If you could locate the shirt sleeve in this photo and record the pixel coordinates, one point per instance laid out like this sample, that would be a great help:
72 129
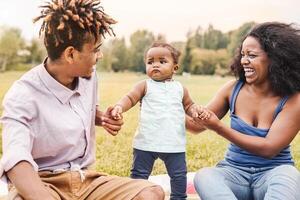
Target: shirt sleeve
17 138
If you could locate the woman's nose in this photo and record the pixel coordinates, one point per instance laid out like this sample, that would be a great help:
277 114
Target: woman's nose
245 60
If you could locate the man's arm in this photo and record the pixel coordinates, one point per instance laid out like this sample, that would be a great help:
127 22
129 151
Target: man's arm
27 182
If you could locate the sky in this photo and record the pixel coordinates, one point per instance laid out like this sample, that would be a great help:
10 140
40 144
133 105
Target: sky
172 18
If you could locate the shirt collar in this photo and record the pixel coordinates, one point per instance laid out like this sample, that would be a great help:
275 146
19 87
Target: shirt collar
61 92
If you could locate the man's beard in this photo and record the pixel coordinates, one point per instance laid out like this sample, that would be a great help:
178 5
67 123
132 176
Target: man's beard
86 77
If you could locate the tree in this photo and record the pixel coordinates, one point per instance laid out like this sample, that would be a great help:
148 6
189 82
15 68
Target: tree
119 55
214 39
207 61
237 35
139 42
11 43
37 51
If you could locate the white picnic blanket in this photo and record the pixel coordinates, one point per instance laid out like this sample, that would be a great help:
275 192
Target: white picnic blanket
164 181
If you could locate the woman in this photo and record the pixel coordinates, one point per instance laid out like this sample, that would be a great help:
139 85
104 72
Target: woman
264 109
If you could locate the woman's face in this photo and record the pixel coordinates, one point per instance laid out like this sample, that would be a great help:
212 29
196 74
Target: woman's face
254 60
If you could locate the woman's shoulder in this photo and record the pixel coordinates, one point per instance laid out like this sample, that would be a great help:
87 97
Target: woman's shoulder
228 87
294 101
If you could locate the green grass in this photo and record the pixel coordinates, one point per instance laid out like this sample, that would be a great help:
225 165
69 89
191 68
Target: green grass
114 154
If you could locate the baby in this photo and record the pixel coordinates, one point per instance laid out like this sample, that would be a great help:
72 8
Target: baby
161 131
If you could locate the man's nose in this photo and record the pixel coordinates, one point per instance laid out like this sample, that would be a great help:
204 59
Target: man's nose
99 55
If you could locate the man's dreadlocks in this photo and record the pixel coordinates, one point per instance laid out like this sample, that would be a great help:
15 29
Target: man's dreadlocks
72 23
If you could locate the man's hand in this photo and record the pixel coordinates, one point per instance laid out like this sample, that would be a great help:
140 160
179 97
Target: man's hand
106 120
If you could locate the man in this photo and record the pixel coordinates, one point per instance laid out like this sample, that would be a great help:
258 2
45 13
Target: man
50 114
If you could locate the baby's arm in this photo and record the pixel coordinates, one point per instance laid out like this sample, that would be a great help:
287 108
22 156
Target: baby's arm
193 109
129 100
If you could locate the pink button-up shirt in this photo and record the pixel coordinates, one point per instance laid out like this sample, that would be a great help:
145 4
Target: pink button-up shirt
47 124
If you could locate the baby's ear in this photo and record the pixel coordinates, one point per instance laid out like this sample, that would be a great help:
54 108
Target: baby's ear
176 67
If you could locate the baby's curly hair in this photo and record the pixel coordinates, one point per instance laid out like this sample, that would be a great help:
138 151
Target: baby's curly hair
281 42
174 52
72 23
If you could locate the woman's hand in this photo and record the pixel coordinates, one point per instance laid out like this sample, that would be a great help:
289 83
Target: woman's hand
208 119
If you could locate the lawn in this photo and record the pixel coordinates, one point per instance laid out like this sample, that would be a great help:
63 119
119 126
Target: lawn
114 154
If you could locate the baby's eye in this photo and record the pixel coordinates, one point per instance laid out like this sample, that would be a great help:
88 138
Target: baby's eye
163 62
149 62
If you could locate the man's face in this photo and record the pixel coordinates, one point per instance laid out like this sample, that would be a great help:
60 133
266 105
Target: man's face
86 59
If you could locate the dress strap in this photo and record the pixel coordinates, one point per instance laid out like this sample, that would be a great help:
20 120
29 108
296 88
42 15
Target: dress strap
280 106
235 92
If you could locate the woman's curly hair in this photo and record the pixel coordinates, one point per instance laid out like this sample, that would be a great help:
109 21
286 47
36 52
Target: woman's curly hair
72 23
281 42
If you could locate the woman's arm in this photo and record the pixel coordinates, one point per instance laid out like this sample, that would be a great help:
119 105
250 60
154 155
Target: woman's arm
219 104
283 130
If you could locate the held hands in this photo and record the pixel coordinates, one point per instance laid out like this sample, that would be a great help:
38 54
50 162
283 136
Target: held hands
116 112
200 112
108 122
207 118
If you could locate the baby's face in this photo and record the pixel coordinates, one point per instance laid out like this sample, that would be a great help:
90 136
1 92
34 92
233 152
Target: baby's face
160 65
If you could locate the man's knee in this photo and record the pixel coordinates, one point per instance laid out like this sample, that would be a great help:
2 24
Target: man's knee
151 193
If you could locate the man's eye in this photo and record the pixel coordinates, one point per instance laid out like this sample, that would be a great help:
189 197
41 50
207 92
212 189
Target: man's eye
252 56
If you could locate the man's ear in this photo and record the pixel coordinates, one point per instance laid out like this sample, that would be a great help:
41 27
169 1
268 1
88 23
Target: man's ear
68 54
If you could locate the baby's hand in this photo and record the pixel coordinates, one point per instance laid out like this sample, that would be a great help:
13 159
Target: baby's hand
204 114
116 112
200 112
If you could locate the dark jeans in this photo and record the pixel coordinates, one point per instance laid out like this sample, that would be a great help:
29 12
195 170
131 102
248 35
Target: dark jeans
175 164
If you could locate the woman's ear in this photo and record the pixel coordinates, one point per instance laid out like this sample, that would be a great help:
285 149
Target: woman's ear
68 54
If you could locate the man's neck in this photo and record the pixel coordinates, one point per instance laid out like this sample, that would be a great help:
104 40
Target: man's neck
60 72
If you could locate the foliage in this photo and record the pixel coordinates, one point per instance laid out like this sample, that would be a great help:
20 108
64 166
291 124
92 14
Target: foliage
37 52
139 42
11 44
119 55
214 39
114 154
237 35
206 61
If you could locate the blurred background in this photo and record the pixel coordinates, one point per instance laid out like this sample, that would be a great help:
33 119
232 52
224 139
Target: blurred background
206 32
